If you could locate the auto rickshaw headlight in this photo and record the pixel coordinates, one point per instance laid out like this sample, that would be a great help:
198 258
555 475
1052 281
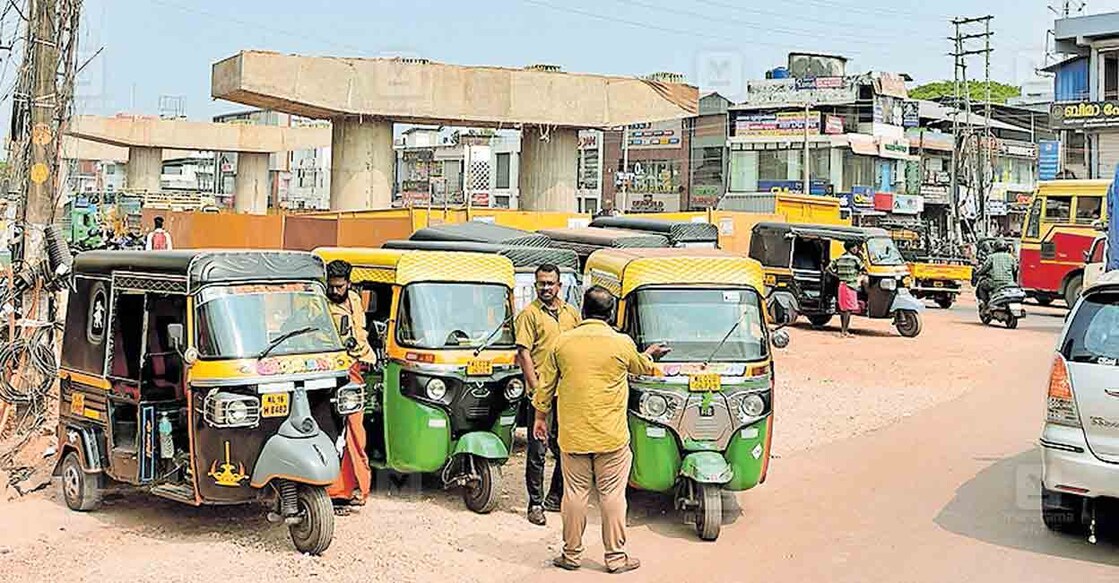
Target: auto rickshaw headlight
653 405
889 284
222 409
514 389
350 399
436 389
752 406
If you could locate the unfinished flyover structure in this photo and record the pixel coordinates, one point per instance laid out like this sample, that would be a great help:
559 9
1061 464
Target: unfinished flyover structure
146 138
364 97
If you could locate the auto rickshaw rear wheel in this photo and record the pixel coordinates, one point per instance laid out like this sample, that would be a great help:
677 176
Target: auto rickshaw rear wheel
81 491
1011 322
945 301
480 494
315 530
908 323
819 320
985 317
709 514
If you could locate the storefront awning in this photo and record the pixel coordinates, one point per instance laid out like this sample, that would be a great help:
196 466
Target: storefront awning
863 144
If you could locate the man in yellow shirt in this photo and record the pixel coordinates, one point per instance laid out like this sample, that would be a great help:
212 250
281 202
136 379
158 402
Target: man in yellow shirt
588 373
537 328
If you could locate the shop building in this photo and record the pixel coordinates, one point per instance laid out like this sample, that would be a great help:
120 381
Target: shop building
1086 93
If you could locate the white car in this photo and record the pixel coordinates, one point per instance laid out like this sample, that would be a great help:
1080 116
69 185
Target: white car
1080 440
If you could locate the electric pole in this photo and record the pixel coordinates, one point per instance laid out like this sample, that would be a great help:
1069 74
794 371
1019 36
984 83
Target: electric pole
964 39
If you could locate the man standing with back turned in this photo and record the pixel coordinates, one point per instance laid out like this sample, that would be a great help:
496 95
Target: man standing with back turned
537 328
588 373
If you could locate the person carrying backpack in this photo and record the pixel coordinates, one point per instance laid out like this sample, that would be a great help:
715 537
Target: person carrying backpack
158 239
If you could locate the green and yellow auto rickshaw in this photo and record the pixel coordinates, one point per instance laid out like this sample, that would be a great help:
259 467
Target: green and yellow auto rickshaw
704 424
445 393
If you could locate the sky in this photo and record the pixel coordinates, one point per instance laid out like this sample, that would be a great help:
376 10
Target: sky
154 48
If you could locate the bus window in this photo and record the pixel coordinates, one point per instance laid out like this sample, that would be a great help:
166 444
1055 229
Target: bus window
1058 209
1088 209
1033 229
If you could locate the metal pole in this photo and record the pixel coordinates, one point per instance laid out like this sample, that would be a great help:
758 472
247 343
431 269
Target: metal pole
988 166
953 197
625 169
38 210
807 175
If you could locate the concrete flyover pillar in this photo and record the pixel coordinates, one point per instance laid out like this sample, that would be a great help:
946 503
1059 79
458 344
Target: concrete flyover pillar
145 167
362 160
252 184
548 167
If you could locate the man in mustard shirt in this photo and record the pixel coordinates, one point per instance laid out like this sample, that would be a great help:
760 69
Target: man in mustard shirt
537 328
588 373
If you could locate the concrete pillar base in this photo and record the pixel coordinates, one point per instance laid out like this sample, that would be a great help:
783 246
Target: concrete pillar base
252 184
362 160
145 167
549 162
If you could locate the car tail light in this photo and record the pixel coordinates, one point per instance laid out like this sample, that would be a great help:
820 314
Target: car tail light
1061 405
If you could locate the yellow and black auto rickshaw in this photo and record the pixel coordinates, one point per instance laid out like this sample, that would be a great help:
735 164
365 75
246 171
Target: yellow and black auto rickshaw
703 425
445 393
205 377
796 258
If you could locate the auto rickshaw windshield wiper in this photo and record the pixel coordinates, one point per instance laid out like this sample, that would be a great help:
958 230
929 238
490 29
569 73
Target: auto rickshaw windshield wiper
493 335
737 323
285 336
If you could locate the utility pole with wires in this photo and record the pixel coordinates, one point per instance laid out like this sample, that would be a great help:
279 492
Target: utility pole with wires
965 38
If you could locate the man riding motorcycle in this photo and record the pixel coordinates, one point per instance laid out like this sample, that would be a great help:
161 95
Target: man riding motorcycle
998 271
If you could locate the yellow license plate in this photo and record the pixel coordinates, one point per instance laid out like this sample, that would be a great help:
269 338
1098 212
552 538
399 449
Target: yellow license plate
479 368
274 405
938 284
705 382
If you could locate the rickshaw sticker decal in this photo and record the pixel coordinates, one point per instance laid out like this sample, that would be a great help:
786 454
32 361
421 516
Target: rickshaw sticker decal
272 366
227 477
92 414
77 403
98 310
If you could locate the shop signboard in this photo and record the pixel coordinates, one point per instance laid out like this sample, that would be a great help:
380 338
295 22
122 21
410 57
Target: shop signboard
862 197
910 114
884 201
1017 149
785 123
1085 115
650 135
818 187
907 204
655 203
897 149
785 92
1049 159
833 125
996 207
891 84
934 193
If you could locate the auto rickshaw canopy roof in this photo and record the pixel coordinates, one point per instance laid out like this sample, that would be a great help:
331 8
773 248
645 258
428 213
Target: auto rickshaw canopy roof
204 266
402 266
623 270
522 256
587 240
833 232
480 232
676 231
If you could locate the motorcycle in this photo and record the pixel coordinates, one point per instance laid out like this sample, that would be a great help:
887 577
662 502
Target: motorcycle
1004 305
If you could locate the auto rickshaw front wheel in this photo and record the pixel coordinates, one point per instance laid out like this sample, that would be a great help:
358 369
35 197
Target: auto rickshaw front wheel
709 513
908 323
480 493
819 320
314 531
81 491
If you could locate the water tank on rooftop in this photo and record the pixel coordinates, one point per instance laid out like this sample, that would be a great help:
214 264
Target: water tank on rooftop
778 73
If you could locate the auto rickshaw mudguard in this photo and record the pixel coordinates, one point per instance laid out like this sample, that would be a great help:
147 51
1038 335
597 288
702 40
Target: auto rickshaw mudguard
86 441
482 444
706 467
903 300
307 460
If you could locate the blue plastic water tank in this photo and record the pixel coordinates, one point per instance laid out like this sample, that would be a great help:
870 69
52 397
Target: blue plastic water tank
780 73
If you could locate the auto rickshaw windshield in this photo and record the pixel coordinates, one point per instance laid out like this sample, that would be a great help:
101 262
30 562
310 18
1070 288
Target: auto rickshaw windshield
693 321
455 315
883 251
241 321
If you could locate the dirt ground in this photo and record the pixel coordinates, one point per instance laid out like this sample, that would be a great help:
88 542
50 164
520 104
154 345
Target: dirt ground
829 389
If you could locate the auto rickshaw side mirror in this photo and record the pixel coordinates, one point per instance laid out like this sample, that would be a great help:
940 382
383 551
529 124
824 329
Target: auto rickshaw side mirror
176 336
780 338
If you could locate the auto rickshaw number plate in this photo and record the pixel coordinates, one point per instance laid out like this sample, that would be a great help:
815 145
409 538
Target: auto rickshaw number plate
274 405
479 368
705 382
938 284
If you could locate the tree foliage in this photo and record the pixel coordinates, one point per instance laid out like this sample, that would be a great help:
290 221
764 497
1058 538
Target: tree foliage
1000 92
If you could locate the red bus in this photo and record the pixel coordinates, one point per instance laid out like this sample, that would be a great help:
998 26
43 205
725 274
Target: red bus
1058 229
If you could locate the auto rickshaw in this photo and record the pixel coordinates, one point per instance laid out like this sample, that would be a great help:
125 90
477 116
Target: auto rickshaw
445 393
796 258
679 233
587 240
480 232
525 261
204 377
703 425
938 274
